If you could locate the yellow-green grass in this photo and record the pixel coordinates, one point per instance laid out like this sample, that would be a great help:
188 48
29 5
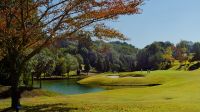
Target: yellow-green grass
179 92
175 65
185 65
124 79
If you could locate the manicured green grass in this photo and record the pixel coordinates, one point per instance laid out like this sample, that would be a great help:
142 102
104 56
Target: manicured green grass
124 79
179 92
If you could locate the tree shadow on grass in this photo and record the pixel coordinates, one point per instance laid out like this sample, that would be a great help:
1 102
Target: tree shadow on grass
5 92
43 108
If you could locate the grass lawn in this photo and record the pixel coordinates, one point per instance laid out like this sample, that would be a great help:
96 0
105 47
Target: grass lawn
179 92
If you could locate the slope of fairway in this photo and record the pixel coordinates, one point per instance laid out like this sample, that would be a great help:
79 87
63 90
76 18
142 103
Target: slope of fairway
179 92
124 79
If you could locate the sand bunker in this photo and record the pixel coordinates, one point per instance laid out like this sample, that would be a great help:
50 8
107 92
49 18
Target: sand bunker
114 76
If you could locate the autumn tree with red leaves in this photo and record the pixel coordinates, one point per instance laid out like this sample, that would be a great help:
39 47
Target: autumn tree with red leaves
27 26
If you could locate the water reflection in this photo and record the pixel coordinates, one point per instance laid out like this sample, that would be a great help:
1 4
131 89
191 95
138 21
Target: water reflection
67 86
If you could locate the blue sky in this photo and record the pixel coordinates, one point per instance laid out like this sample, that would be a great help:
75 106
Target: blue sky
162 20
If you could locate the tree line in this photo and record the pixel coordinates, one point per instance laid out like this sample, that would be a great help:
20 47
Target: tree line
119 56
99 56
66 56
162 55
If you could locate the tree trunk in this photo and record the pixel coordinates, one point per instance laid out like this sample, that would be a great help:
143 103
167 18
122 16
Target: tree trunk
40 82
15 72
32 80
15 93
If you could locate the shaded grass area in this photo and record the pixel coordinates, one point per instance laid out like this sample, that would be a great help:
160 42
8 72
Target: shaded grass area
5 92
43 108
179 92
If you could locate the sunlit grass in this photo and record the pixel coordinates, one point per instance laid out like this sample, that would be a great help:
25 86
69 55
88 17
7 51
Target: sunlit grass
179 92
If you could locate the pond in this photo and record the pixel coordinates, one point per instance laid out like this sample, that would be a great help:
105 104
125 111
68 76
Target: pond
67 86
